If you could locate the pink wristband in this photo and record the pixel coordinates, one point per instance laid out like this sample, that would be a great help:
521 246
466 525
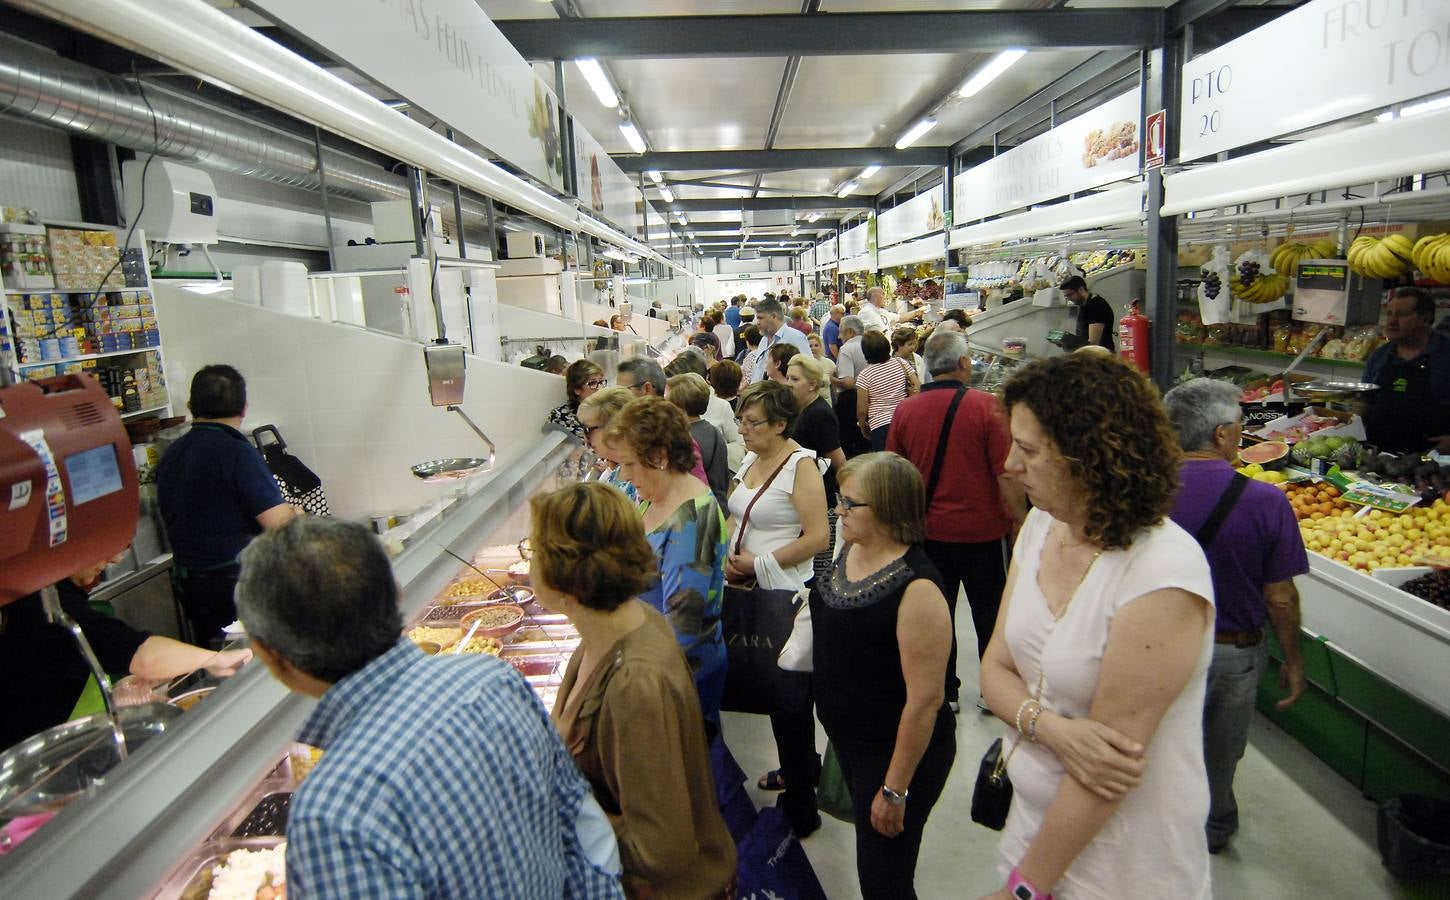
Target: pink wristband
1022 889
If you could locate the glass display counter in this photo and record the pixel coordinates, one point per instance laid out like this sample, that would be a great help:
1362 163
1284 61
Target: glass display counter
221 779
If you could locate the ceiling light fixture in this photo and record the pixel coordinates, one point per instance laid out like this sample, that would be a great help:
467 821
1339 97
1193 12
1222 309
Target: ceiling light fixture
916 133
846 189
813 217
593 73
869 171
667 193
680 217
988 73
690 235
632 136
655 176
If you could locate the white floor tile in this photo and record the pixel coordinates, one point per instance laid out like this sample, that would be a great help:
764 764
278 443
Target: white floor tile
1305 831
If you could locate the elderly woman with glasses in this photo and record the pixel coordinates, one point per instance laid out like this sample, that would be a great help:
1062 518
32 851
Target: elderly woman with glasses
581 379
882 635
778 519
650 439
595 414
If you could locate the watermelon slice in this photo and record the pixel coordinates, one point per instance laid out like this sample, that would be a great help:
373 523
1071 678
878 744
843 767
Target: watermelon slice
1269 454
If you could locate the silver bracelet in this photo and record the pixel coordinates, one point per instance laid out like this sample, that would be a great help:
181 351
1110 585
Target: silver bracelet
1032 724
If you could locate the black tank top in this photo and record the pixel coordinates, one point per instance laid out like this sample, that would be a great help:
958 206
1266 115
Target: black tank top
859 688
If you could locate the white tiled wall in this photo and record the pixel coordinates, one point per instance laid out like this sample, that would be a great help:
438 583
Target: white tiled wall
352 404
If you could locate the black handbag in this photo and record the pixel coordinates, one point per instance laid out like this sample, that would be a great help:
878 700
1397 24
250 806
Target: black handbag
992 797
756 622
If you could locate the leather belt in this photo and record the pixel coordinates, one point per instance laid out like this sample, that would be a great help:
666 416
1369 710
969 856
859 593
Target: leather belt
1239 638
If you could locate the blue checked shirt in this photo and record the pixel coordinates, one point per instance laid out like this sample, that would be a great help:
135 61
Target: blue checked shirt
443 778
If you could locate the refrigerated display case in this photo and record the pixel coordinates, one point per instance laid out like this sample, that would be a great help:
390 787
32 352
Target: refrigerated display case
223 776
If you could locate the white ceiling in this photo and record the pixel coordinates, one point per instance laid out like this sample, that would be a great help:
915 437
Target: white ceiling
696 104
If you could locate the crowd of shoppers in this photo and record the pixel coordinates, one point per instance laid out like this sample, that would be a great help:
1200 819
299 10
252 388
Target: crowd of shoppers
1122 648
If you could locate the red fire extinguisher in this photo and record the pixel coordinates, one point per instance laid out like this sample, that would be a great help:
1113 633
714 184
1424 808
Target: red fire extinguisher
1133 338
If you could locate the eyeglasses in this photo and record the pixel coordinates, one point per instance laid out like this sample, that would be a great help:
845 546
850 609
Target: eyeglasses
751 423
596 383
636 388
846 504
526 549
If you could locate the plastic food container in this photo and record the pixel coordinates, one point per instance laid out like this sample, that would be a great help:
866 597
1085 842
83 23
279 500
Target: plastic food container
498 621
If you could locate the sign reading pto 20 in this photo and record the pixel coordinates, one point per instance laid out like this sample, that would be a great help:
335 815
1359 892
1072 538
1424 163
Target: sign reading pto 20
1343 57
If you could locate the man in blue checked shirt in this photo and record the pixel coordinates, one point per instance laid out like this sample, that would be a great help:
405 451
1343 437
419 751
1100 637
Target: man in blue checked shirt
441 777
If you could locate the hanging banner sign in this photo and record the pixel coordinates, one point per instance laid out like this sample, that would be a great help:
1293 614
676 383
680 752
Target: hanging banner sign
446 57
1093 149
920 215
1323 61
604 188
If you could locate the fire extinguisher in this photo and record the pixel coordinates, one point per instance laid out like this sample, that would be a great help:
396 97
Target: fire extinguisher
1133 338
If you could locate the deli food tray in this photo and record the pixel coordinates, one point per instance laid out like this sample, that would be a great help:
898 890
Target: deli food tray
192 880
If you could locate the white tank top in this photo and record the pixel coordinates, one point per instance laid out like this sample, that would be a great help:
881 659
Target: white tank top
773 520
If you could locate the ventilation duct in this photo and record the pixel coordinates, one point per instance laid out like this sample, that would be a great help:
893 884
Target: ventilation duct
84 101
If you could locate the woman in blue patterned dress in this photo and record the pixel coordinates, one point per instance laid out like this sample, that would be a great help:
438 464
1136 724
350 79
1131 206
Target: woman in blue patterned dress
650 440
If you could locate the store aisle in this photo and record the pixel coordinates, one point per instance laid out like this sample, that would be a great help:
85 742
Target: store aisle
1307 833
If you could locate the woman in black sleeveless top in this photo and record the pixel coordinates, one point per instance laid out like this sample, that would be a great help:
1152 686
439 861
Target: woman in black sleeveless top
882 635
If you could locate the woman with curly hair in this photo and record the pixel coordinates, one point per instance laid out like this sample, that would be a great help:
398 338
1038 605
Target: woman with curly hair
650 440
1101 650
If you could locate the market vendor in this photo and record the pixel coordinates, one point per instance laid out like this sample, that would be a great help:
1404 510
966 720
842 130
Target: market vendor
42 672
216 494
1094 314
1411 409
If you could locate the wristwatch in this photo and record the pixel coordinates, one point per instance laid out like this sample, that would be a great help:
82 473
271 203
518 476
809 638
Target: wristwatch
1022 889
893 797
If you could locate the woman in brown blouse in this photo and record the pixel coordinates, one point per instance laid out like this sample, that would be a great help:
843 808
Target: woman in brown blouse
628 709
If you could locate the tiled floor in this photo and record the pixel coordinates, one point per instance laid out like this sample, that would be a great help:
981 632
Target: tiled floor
1305 833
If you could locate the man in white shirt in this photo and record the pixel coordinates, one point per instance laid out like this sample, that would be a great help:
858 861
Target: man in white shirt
770 319
873 313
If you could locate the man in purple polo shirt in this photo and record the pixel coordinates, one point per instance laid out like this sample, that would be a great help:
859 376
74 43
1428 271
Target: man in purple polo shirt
1254 553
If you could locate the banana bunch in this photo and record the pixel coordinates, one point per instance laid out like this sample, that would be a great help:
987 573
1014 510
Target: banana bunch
1286 256
1263 289
1387 257
1431 254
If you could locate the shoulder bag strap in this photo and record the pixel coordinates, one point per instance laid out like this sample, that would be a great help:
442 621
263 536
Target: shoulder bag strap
745 516
1226 502
941 444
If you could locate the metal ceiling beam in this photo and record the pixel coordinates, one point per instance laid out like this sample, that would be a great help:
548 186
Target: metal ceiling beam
780 160
835 34
1185 12
725 185
758 204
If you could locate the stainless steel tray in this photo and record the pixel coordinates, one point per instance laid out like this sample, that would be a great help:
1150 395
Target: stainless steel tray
180 885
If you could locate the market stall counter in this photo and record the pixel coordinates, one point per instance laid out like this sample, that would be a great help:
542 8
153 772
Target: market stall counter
211 796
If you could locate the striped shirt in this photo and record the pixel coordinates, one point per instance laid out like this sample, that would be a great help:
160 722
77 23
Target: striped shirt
443 778
885 384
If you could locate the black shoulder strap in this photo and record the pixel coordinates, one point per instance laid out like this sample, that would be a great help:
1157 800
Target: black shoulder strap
941 444
1225 505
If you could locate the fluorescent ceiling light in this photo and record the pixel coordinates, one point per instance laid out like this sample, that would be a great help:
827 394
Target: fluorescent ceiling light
615 254
655 176
681 218
916 133
813 217
690 235
988 73
846 189
593 73
869 171
632 136
668 194
794 232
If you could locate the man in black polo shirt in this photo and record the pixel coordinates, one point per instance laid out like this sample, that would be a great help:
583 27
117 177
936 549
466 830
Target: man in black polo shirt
1094 315
216 494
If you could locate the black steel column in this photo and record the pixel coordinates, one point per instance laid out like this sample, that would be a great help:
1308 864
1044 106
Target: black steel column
1161 91
458 214
95 181
566 145
326 204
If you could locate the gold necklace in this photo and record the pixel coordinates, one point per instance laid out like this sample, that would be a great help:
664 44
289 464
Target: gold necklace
1062 546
